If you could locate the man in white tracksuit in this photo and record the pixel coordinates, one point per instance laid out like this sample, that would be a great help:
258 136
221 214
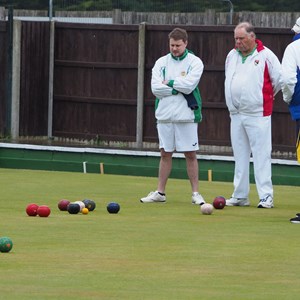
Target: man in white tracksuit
291 76
291 85
174 82
252 74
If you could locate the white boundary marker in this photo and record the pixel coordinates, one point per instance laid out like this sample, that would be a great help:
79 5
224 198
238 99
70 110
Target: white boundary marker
84 166
130 152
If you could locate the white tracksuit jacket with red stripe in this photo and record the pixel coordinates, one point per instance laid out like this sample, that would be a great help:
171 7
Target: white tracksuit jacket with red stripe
257 96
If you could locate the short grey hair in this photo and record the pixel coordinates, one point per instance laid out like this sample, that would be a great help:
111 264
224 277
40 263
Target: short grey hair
249 28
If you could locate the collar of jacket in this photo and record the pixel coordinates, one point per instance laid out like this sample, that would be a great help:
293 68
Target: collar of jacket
183 56
259 45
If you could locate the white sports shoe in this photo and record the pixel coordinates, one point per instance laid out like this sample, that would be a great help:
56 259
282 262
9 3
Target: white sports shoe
197 199
237 202
267 202
154 197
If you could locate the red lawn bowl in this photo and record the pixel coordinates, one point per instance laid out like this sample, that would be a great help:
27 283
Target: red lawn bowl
44 211
31 209
63 204
219 202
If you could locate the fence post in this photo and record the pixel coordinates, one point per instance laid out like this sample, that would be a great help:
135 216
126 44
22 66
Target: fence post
210 17
50 10
50 84
7 129
2 13
16 75
117 16
140 86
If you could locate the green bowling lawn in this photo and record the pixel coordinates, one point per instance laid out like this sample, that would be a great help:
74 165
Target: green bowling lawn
146 251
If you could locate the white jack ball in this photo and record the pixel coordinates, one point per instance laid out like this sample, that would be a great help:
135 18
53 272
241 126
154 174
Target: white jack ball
206 209
81 204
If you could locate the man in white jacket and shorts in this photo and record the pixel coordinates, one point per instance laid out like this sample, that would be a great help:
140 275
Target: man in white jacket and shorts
174 82
252 80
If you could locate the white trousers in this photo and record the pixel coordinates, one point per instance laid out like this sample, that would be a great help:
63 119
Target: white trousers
251 135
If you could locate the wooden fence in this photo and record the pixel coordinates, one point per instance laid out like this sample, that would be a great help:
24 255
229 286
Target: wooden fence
99 76
34 80
209 17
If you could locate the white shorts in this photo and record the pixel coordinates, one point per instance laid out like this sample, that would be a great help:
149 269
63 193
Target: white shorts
182 137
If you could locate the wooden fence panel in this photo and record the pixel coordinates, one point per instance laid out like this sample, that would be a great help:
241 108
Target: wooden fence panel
34 78
95 82
209 17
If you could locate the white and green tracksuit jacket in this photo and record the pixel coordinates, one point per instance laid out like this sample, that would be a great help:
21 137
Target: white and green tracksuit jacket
183 74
